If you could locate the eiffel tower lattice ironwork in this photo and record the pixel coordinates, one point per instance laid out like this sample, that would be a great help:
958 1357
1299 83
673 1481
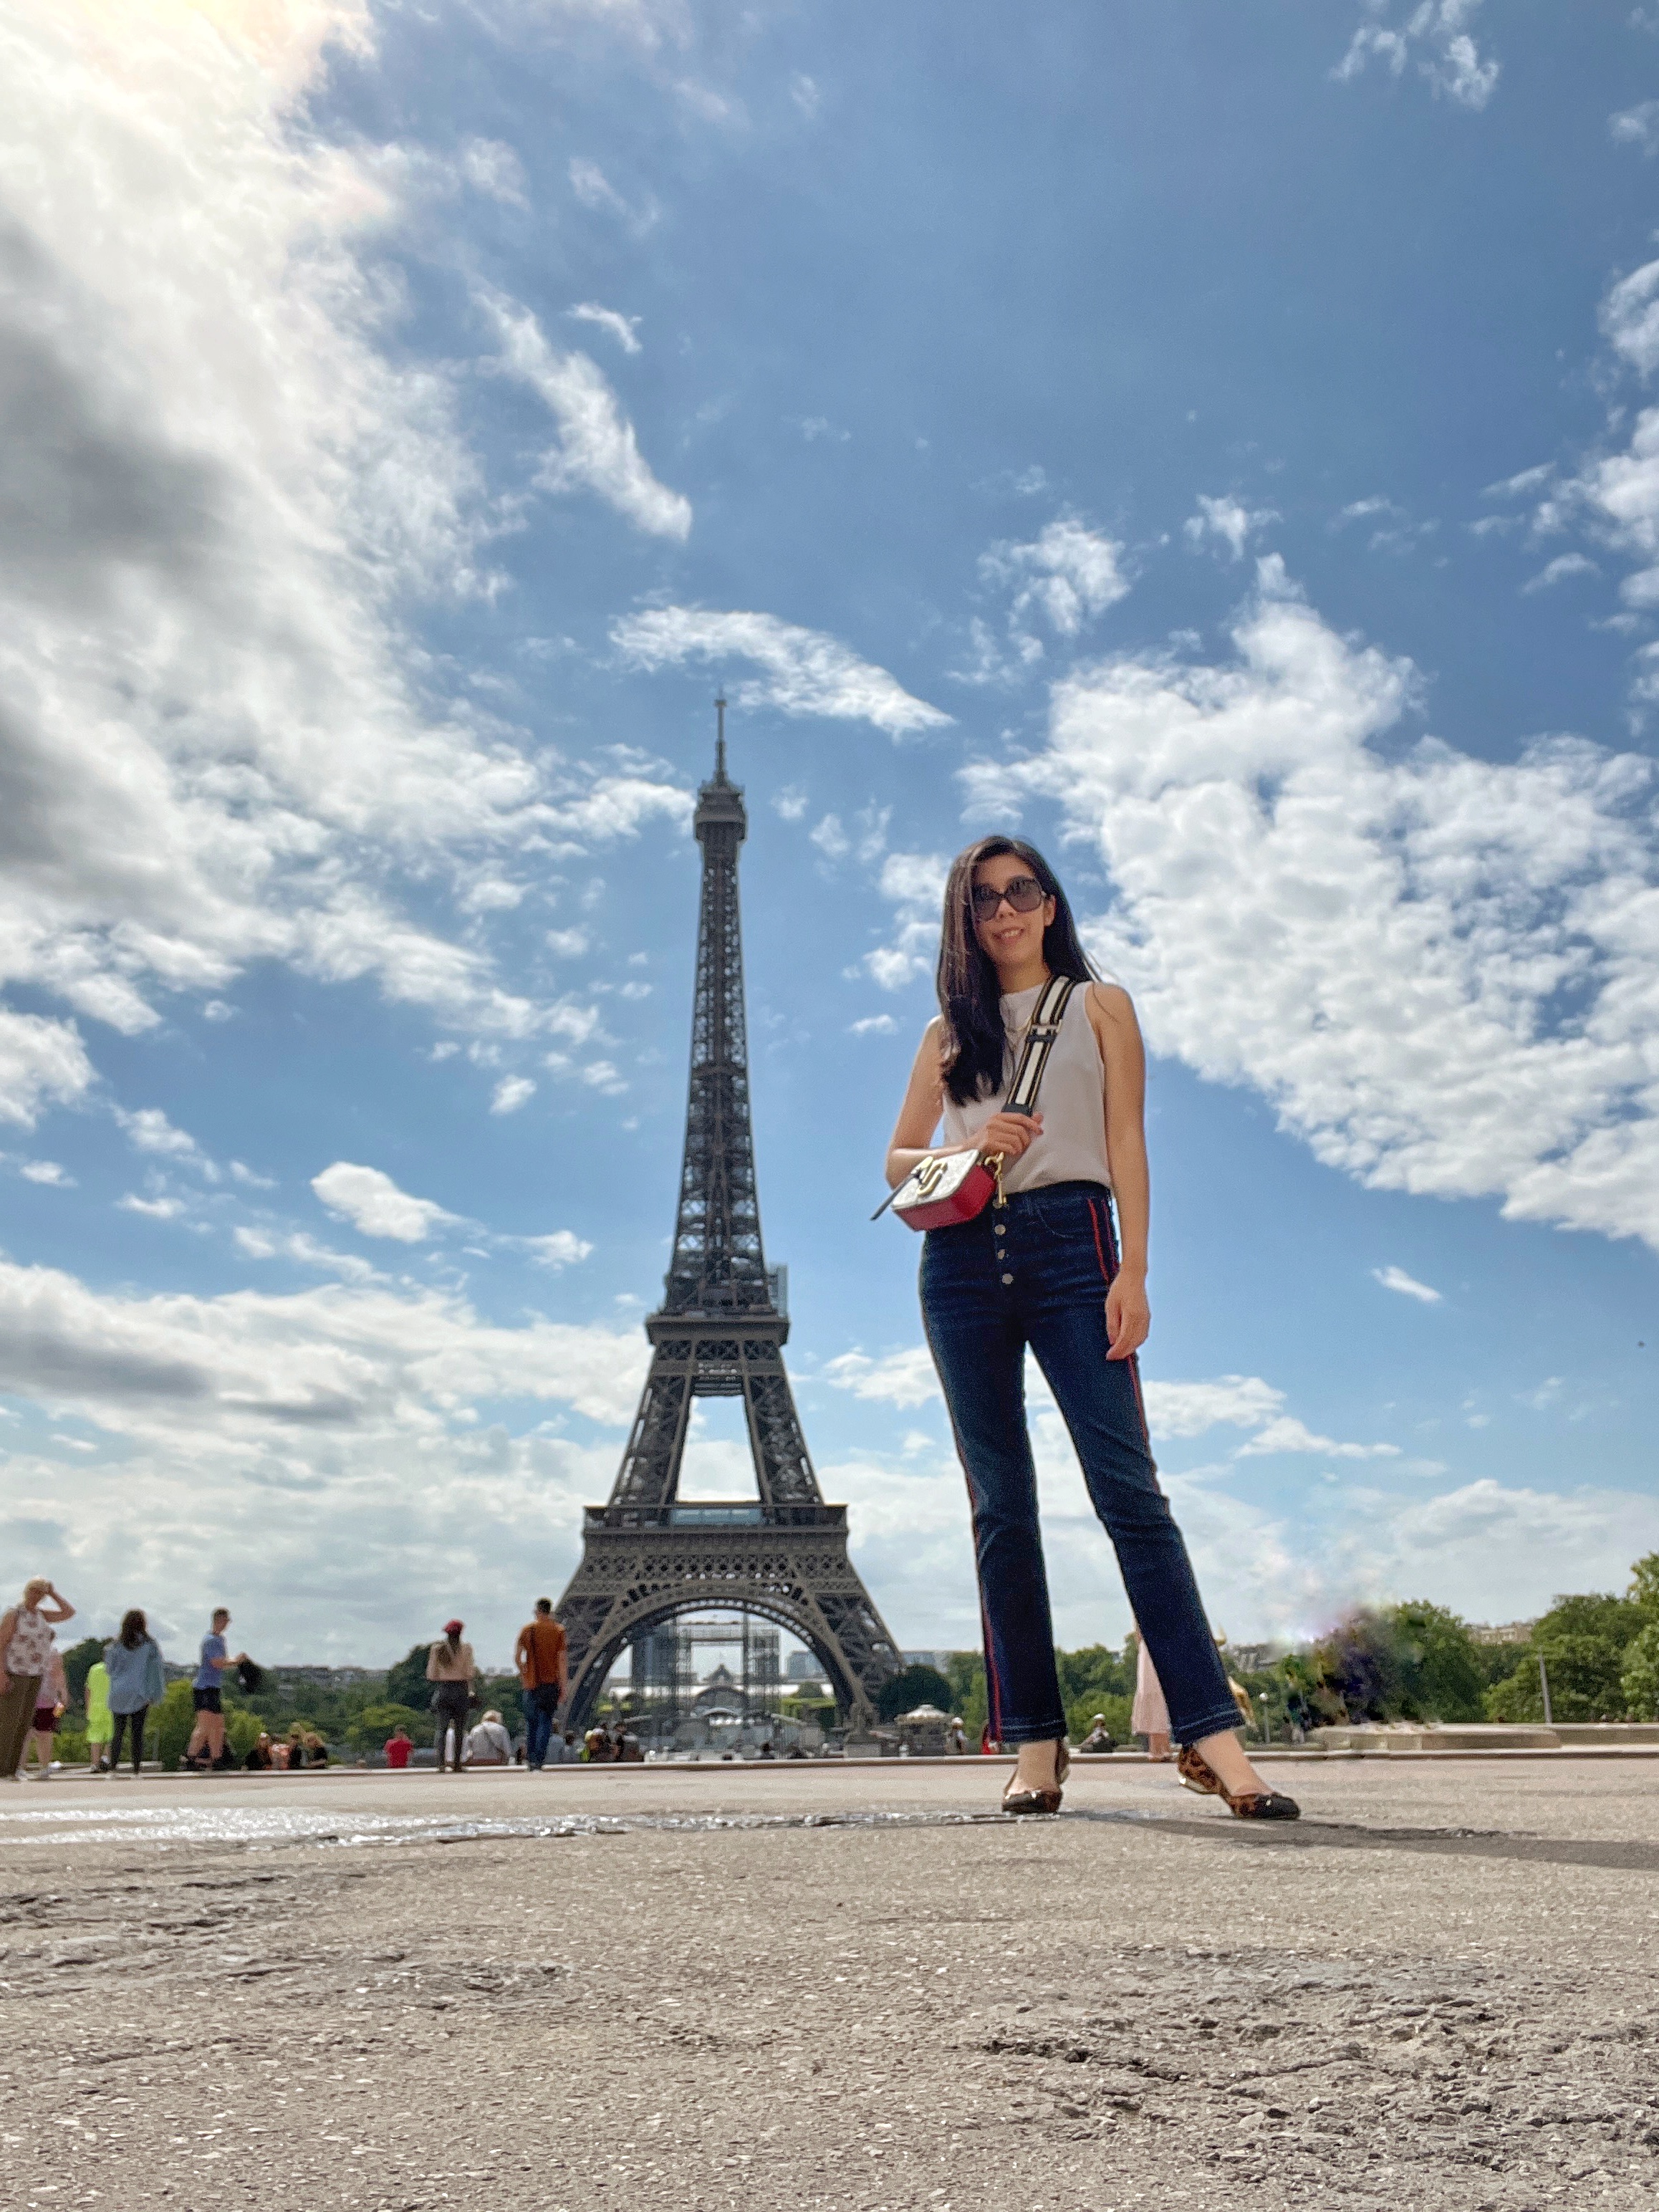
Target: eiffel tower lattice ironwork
720 1332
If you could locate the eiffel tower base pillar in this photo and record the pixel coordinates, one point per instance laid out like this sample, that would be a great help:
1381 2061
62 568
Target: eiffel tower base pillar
641 1567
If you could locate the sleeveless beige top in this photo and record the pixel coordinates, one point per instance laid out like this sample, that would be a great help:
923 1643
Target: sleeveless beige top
1072 1102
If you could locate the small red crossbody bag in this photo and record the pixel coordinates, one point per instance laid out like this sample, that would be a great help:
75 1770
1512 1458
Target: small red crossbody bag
948 1187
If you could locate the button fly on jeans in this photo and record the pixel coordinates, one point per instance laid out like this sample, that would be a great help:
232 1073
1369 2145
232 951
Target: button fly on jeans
1007 1279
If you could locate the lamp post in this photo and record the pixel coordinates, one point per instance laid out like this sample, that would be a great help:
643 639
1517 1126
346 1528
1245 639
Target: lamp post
1544 1684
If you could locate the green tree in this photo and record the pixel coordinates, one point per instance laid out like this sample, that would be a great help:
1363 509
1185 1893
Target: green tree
78 1662
168 1729
910 1687
406 1683
966 1673
1582 1641
1644 1591
370 1730
1441 1677
1639 1678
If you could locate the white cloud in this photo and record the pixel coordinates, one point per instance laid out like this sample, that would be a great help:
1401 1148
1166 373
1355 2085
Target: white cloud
1067 574
157 1209
1636 126
622 328
803 672
493 168
1557 571
597 451
563 1247
830 838
375 1206
353 1439
1235 524
511 1092
871 1025
567 944
895 1378
306 1252
915 883
1441 968
47 1171
151 1132
1436 32
1396 1279
790 804
597 193
218 493
1630 318
40 1062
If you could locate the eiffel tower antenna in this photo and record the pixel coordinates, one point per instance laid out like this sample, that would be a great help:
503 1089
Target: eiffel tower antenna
720 1333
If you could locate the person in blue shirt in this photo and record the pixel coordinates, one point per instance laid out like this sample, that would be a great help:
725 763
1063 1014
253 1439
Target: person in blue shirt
206 1747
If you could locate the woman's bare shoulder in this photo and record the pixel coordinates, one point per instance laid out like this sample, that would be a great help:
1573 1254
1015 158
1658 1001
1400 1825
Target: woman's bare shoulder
1110 1002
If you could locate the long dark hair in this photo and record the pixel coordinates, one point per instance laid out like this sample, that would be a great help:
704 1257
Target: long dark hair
134 1629
969 995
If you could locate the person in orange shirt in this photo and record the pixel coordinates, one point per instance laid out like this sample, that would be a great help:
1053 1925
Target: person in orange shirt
541 1658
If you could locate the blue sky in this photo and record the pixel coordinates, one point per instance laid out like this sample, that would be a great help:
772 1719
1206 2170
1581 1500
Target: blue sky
1223 441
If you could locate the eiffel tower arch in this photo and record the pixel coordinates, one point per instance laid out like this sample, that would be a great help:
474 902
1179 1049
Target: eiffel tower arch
720 1333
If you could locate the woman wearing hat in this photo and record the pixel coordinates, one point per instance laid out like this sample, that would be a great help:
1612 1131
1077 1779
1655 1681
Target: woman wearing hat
450 1670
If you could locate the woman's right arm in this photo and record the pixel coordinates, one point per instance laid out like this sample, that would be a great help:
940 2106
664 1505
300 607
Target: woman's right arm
924 1103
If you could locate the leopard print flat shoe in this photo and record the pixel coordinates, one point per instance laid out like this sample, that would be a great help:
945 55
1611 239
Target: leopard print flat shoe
1196 1773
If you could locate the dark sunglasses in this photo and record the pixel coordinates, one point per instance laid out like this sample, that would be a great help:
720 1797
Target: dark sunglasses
1025 894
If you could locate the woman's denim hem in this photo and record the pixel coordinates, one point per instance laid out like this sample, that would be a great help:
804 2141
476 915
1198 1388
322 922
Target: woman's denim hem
1221 1723
1049 1732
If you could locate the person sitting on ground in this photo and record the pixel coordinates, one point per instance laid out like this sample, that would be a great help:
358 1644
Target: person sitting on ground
1100 1737
488 1744
597 1746
100 1722
398 1745
316 1749
259 1760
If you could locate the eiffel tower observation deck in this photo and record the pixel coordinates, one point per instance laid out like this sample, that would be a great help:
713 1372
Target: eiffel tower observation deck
720 1333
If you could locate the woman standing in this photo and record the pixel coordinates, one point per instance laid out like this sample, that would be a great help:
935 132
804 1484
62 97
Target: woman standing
26 1652
1150 1716
1041 1268
136 1683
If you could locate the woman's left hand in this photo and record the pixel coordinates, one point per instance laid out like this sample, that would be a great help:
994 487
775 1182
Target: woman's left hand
1128 1316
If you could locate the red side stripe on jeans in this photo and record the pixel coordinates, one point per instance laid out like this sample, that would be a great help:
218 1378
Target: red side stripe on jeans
1134 1362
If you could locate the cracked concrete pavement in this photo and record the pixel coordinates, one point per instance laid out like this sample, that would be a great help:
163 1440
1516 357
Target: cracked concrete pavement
831 1988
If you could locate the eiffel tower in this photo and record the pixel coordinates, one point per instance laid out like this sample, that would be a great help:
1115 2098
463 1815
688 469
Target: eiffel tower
720 1333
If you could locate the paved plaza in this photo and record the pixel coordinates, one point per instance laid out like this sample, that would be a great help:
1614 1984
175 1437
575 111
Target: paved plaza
832 1988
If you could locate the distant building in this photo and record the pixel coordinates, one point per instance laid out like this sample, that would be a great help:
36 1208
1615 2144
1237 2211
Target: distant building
936 1659
1509 1631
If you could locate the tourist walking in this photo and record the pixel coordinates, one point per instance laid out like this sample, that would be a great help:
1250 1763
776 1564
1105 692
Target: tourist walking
136 1683
1038 1074
206 1747
100 1723
541 1658
27 1651
450 1670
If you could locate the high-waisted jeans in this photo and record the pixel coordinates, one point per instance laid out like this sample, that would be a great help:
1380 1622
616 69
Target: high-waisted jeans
1035 1272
